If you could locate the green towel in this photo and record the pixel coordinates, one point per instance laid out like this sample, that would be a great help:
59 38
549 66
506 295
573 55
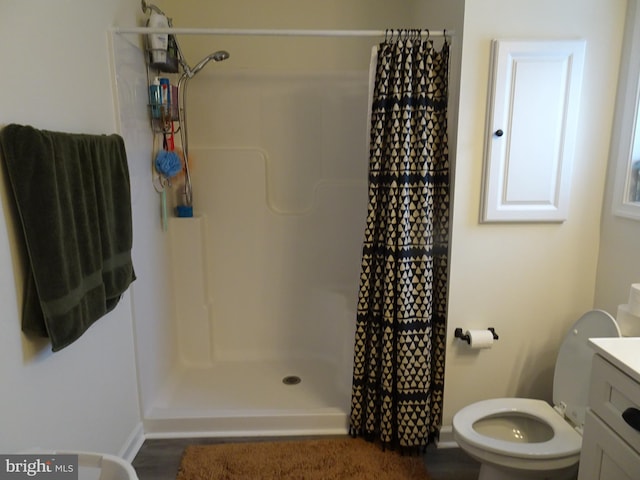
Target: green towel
73 197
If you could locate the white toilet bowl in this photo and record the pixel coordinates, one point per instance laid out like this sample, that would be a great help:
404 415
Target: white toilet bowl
513 436
521 438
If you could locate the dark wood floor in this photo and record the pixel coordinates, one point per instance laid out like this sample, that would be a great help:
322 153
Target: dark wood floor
159 459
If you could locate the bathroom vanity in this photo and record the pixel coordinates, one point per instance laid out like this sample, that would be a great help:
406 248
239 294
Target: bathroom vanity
611 440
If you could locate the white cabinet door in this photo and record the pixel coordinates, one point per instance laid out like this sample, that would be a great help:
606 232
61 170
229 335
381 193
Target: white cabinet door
531 127
604 455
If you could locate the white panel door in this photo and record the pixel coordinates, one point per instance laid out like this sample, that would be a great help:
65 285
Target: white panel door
531 128
604 455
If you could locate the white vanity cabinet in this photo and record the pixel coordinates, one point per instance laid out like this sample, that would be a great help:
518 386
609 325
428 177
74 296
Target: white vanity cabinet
611 444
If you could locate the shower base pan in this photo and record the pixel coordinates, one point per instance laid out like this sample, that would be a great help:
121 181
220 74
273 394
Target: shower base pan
251 398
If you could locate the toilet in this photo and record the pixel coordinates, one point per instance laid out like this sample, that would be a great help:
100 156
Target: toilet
521 438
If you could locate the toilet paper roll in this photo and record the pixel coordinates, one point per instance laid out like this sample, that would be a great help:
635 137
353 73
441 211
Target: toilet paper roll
480 338
628 323
634 299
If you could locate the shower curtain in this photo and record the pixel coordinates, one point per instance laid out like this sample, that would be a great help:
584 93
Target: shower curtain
398 373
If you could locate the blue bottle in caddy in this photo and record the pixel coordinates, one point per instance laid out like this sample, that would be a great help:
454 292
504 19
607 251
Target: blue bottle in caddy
160 99
154 98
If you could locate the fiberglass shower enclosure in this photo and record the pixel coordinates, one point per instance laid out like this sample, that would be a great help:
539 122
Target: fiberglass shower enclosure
244 321
259 288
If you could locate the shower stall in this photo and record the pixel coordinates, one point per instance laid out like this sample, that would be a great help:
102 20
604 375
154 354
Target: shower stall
266 273
244 314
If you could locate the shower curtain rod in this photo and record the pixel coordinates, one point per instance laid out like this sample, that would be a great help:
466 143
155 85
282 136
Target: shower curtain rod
275 33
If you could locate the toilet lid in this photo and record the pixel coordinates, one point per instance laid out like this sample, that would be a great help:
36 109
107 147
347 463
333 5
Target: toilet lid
573 366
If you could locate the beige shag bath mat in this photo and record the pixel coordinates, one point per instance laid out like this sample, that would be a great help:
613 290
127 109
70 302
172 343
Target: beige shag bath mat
327 459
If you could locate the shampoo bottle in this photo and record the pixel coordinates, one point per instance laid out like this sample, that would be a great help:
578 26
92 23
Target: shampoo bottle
158 42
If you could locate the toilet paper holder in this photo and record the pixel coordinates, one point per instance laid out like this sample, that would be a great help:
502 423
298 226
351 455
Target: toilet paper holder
459 333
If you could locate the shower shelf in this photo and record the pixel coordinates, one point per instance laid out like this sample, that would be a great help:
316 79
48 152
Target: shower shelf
160 127
161 121
161 115
170 66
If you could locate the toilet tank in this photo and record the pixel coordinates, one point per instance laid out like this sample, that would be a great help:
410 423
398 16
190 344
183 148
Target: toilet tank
573 365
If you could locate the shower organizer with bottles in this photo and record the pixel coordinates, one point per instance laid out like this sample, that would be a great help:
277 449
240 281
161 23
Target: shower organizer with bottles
163 94
162 65
168 112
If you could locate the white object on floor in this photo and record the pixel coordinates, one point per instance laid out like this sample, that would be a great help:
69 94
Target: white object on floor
96 466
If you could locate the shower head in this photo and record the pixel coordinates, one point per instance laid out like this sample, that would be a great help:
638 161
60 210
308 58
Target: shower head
218 56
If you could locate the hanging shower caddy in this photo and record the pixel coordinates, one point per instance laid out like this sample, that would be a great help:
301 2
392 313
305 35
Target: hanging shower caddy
163 61
167 103
161 58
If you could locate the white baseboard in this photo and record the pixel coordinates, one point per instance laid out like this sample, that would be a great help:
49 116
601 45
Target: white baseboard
138 436
131 446
446 439
168 423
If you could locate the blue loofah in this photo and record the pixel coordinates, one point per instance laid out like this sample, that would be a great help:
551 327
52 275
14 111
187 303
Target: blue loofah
168 163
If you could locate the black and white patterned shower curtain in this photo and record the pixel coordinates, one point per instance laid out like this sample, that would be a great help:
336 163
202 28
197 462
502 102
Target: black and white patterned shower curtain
398 374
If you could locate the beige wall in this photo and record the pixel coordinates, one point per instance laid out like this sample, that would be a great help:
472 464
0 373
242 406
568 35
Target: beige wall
619 260
291 53
56 76
530 282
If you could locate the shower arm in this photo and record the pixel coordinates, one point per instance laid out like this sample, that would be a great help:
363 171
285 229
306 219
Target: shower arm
150 6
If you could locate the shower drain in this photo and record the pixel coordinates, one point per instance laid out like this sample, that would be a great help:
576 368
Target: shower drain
291 380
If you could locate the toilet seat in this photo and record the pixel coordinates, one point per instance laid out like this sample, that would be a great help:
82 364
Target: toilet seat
566 440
